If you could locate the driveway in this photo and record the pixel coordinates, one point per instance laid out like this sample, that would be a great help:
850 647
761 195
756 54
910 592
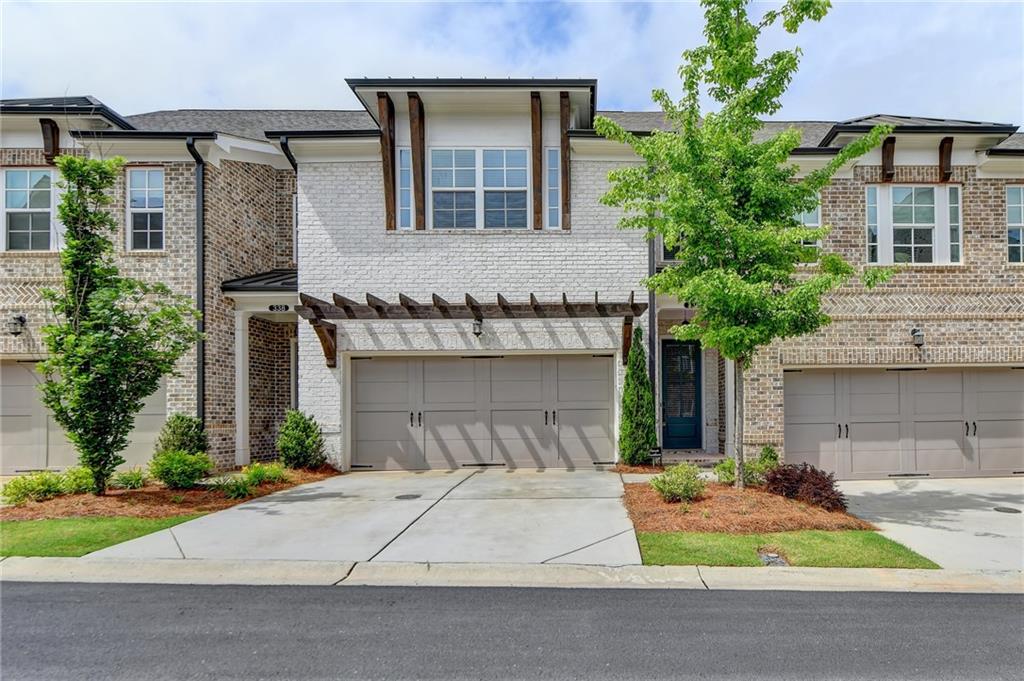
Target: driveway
952 522
461 516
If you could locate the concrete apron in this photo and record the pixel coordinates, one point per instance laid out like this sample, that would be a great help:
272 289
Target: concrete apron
340 573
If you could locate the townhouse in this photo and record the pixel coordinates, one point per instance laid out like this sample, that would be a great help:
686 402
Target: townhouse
434 278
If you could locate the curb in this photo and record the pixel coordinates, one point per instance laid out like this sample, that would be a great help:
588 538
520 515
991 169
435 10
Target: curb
328 573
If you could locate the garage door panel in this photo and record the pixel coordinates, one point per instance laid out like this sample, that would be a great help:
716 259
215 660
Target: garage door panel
449 392
939 446
381 439
1001 445
381 370
873 394
874 448
381 394
813 443
1002 402
504 391
584 437
520 437
584 391
517 369
23 444
812 408
454 438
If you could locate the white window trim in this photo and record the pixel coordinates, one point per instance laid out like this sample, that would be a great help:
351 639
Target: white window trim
478 189
56 229
940 233
547 188
1009 225
128 209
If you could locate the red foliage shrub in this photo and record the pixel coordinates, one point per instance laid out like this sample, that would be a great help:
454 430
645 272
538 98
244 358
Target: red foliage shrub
806 483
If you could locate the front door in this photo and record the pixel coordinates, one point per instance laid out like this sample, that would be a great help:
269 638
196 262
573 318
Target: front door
680 395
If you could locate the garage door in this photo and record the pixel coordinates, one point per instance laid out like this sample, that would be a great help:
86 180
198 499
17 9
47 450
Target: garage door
524 411
30 439
872 423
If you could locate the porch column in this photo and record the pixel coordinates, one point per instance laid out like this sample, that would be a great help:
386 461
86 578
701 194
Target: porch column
242 387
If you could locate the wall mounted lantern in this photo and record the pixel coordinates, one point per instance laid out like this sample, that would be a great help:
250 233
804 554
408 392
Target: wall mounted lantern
917 335
15 324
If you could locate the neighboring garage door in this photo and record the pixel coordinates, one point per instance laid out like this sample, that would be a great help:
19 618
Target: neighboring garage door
873 423
524 411
30 439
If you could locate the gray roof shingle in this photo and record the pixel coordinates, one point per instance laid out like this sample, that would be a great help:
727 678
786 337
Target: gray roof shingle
646 121
252 123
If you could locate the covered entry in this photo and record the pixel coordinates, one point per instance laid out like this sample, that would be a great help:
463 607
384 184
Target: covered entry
537 411
878 423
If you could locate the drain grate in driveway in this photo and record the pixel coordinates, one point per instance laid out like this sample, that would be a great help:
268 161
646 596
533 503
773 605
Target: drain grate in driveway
407 497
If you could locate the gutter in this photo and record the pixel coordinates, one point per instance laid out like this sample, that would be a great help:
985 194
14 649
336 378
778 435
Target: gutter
142 135
288 153
190 144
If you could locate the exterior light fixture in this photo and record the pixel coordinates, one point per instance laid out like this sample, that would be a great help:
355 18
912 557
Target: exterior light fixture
15 324
917 335
478 327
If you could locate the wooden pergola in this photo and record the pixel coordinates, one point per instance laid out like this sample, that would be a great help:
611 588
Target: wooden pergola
319 313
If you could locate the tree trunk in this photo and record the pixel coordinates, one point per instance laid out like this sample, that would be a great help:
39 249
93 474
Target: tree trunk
738 429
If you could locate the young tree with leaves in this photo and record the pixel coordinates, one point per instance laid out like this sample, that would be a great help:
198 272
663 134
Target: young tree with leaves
637 434
727 202
114 337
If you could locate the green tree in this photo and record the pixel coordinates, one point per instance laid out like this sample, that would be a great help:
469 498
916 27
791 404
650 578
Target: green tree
114 337
727 201
636 426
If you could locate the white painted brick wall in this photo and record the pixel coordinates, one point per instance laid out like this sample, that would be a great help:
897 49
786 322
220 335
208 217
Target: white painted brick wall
344 248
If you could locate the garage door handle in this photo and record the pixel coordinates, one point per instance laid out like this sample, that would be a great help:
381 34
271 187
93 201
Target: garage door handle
419 418
554 417
839 434
847 431
975 427
410 419
967 428
545 417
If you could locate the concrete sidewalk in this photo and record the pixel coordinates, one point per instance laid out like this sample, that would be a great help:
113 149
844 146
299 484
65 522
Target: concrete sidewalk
328 573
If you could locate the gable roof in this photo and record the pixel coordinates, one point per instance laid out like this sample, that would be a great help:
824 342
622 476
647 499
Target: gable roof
642 122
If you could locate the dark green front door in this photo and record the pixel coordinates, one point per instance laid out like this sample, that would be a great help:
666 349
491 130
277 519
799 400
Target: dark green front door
680 395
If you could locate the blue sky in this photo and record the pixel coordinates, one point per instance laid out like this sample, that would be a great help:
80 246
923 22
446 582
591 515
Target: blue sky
951 59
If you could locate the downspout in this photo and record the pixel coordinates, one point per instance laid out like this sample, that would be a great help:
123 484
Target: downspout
190 144
652 330
288 154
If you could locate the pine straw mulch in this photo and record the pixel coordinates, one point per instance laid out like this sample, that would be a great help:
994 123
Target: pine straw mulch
152 501
723 508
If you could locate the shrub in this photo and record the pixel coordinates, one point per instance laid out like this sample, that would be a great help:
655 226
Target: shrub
180 470
753 473
265 473
133 478
806 483
300 442
234 487
679 483
181 433
77 480
637 433
33 486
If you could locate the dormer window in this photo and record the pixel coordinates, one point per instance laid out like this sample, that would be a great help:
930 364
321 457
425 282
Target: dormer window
477 189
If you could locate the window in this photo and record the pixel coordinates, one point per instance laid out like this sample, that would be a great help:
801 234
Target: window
404 189
914 224
504 170
872 218
954 224
1015 223
452 170
553 194
146 208
812 219
28 209
479 189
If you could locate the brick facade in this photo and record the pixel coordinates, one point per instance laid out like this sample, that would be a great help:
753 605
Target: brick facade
270 392
971 313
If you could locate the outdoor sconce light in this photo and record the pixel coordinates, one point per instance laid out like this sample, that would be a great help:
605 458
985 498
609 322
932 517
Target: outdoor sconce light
917 335
16 324
478 327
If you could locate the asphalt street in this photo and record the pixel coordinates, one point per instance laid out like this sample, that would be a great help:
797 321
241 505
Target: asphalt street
144 632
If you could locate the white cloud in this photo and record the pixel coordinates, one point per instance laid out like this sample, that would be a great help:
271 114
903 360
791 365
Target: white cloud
942 59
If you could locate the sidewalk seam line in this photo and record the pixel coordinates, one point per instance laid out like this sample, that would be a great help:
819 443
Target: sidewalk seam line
587 546
177 543
701 577
417 518
347 573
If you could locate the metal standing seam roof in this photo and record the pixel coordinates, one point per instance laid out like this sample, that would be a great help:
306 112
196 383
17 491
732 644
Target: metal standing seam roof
274 281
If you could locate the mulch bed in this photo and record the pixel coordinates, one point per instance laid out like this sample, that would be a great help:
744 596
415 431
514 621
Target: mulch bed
646 468
152 501
723 508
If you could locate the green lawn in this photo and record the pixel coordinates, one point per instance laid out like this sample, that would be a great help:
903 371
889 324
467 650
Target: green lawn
76 536
807 548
